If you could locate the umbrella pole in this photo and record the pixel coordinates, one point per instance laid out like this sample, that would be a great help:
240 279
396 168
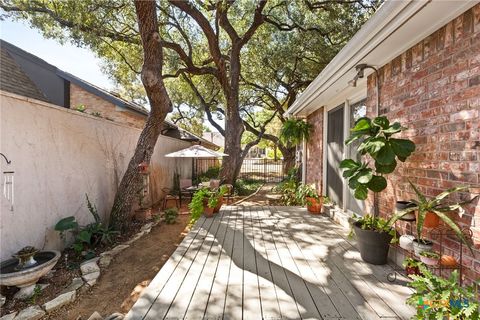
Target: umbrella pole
193 170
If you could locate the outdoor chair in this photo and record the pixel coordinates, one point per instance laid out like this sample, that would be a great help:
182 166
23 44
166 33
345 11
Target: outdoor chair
170 196
184 184
229 195
214 183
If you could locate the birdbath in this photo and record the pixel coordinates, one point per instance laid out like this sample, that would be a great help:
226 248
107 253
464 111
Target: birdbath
25 268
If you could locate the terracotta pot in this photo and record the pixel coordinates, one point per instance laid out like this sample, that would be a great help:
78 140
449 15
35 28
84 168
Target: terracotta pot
219 205
412 270
448 261
429 261
143 214
208 212
431 220
314 205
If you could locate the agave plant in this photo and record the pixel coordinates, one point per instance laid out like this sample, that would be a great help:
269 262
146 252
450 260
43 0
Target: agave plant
294 131
438 206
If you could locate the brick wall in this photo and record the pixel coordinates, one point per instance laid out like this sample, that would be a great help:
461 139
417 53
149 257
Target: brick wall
103 108
315 150
434 89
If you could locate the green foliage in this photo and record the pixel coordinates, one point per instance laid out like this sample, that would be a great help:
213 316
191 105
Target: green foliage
369 222
378 143
438 205
170 215
294 131
37 291
305 191
80 108
89 236
245 187
437 298
430 254
288 188
205 196
411 263
211 173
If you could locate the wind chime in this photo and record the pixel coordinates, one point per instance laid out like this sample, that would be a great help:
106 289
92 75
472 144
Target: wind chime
8 184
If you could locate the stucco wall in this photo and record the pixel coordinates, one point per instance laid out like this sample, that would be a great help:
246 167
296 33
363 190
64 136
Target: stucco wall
58 155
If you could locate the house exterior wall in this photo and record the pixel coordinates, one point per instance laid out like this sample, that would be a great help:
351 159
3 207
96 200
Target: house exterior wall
59 155
106 109
433 89
314 161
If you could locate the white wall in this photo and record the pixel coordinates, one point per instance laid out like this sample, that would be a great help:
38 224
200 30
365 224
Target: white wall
58 155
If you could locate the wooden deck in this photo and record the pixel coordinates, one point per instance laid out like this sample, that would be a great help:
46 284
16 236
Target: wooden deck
270 263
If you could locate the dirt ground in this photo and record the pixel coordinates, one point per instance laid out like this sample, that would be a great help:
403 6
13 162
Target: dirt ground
131 270
264 197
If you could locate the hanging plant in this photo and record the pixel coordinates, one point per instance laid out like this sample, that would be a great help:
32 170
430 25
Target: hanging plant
378 143
294 131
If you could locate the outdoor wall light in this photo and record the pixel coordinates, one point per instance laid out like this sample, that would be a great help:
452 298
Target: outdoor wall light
360 68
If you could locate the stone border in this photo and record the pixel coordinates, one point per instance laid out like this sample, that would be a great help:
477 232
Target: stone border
90 273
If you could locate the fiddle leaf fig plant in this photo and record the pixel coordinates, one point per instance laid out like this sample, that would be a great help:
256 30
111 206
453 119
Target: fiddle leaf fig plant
378 143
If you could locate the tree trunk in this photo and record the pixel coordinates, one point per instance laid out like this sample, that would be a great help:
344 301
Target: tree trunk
160 105
233 135
288 158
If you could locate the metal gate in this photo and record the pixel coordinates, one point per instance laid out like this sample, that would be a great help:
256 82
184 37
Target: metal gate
266 170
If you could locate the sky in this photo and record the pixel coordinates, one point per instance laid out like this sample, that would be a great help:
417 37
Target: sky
77 61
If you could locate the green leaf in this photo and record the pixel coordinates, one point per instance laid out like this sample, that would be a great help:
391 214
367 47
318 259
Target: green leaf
84 236
353 183
375 145
385 156
349 164
402 147
361 192
362 124
377 183
381 122
394 128
353 137
349 173
77 246
65 224
385 168
364 176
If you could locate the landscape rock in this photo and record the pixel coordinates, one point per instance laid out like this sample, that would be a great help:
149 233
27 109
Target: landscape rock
118 249
89 266
147 226
30 313
95 316
50 274
115 316
60 301
91 278
2 300
135 238
9 316
105 261
74 285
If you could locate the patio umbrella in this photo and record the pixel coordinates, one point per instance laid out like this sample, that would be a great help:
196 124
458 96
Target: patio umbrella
196 151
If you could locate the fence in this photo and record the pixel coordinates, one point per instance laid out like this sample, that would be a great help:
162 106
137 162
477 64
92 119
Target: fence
266 170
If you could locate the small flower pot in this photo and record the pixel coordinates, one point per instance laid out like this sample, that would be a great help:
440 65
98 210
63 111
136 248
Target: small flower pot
219 205
208 212
420 246
429 261
412 271
406 242
431 220
448 261
314 205
143 214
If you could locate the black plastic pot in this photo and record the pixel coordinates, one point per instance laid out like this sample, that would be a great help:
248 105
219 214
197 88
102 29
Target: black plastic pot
373 245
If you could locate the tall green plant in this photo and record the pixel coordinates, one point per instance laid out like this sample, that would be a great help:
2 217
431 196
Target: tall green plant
437 205
294 131
378 145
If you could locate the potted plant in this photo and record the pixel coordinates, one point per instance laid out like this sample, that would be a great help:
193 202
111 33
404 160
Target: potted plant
216 198
438 298
411 266
430 258
378 144
307 194
199 203
437 206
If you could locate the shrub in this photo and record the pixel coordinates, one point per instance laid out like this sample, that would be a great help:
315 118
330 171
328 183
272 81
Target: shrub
170 215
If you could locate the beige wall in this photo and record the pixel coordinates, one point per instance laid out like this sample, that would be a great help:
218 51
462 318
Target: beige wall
58 155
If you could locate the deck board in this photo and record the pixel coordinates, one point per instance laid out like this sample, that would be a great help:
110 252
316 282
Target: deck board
270 263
